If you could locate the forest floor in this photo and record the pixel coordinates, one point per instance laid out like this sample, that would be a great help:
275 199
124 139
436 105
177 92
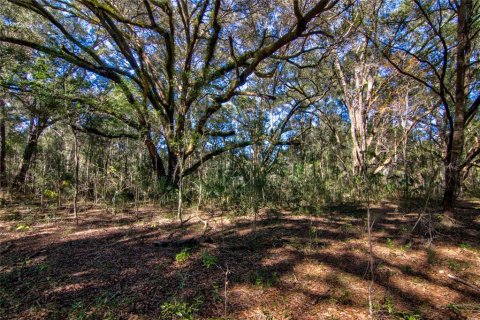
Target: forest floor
292 266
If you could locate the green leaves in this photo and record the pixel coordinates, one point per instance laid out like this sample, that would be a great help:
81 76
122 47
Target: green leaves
208 260
182 256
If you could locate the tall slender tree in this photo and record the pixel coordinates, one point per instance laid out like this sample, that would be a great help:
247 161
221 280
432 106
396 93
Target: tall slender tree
432 43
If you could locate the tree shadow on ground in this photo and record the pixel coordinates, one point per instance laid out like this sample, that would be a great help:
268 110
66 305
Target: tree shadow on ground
117 271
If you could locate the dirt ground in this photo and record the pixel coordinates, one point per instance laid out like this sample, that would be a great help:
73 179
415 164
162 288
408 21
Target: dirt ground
290 266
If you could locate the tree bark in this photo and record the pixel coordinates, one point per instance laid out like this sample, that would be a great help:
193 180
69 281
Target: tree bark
358 94
358 133
35 130
157 162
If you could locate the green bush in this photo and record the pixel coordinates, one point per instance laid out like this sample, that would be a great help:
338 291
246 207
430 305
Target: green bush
181 310
182 256
208 260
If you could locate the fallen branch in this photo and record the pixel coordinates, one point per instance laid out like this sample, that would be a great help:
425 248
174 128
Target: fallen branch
203 241
464 282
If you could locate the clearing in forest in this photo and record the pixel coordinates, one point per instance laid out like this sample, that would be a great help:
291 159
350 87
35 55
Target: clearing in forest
292 267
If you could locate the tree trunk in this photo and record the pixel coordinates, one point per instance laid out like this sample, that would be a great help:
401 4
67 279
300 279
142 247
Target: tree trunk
77 166
157 163
358 93
456 136
451 181
171 176
3 144
406 173
35 131
358 134
180 200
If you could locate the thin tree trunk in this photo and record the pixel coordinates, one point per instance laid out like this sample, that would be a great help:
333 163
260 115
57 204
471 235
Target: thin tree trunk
3 144
136 198
180 194
77 166
42 187
406 174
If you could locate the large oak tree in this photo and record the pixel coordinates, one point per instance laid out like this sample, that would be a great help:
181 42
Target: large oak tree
176 62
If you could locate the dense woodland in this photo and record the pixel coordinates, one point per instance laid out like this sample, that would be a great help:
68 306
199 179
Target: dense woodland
179 123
